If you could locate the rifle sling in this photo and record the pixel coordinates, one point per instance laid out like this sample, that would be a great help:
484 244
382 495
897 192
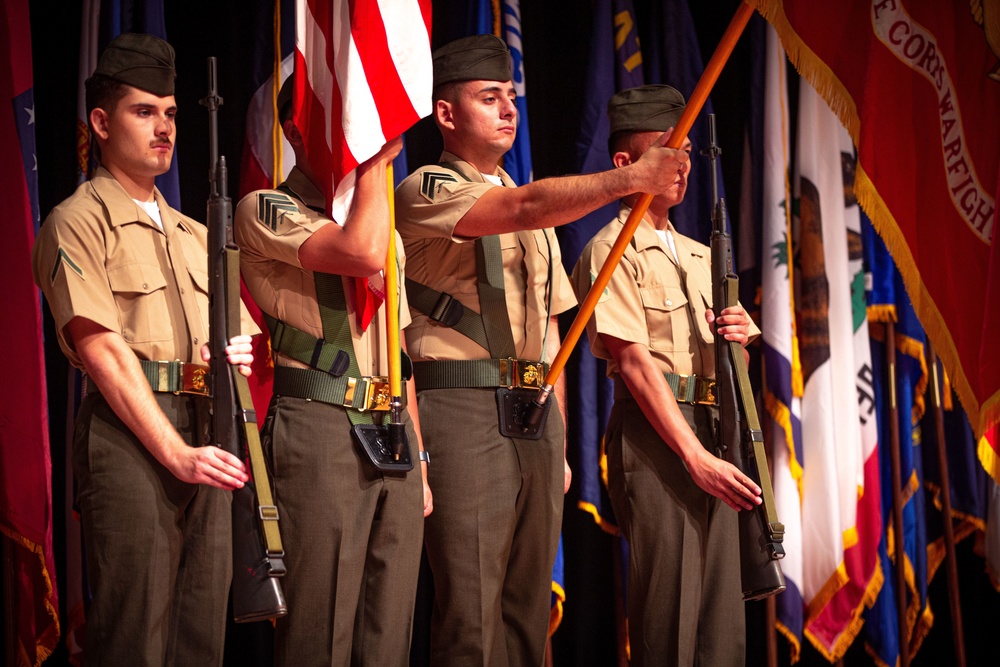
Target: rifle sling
749 410
267 511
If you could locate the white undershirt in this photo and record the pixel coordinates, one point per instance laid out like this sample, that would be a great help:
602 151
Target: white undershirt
152 210
495 180
668 238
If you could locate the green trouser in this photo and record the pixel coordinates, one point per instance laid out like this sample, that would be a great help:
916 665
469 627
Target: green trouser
492 539
685 601
352 538
159 551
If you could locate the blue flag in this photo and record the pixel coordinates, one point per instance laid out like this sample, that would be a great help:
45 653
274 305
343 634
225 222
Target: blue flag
673 57
615 64
888 301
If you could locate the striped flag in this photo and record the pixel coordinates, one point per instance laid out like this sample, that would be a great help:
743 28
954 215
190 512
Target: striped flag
833 447
267 157
362 77
25 464
782 367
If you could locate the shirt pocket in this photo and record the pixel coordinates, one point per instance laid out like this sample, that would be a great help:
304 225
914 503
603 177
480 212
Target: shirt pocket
140 292
667 317
199 278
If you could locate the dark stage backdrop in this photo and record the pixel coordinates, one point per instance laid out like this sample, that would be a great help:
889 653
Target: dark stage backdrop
556 36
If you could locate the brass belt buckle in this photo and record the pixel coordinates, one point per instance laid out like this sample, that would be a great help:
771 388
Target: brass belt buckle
706 391
521 374
378 396
375 390
683 391
531 374
192 377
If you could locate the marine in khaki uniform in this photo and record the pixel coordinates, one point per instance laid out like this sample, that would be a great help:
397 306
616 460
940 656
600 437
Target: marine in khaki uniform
352 534
654 327
126 279
485 281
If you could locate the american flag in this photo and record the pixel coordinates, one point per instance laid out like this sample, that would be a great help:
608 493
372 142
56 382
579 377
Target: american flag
363 76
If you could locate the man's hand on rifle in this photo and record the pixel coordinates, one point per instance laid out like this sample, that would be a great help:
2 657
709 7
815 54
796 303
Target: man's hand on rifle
723 480
208 465
239 352
733 324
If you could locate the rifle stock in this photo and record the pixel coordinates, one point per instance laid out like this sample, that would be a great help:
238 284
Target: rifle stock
739 436
257 553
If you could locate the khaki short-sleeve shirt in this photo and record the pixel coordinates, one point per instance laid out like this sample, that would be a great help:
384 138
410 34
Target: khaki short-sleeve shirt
429 203
652 299
101 257
270 227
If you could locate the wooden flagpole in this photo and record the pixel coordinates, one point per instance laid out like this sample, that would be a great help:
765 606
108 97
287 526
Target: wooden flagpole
694 105
951 565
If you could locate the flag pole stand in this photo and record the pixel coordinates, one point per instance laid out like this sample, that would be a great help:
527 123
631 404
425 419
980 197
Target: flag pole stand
954 602
897 499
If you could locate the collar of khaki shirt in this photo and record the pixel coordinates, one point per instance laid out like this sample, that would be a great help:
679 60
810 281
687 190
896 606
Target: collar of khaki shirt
471 173
122 209
645 234
305 190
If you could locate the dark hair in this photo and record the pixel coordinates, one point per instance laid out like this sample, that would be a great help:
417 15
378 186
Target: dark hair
446 91
103 93
620 141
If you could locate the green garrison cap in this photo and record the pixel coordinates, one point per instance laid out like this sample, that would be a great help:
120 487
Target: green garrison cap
142 61
654 108
472 58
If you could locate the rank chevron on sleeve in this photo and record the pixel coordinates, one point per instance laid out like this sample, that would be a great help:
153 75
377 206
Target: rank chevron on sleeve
430 180
62 257
271 206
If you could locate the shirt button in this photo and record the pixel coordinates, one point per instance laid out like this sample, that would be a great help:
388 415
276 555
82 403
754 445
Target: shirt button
669 302
144 286
182 290
195 341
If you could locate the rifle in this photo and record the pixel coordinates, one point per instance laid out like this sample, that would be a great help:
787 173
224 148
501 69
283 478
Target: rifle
257 550
739 438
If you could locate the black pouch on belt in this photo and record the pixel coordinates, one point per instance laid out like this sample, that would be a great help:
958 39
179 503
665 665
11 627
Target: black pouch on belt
381 442
512 408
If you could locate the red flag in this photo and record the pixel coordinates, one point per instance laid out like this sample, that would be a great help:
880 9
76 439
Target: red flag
25 466
915 82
